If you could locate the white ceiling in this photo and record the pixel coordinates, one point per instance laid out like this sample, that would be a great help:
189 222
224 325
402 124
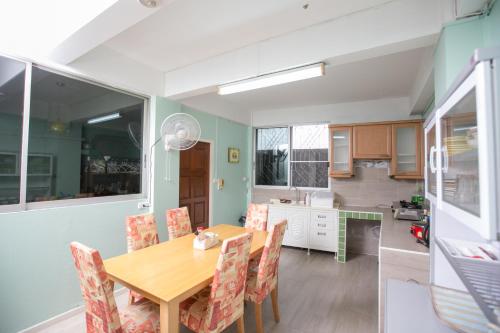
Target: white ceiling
375 78
187 31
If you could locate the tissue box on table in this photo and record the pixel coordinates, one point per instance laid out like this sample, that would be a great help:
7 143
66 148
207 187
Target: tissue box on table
208 240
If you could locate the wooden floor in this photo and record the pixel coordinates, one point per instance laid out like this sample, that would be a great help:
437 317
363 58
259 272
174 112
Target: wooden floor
316 294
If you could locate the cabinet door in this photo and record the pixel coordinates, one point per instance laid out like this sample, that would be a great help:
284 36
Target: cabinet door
466 140
430 161
341 152
372 141
296 233
275 215
407 150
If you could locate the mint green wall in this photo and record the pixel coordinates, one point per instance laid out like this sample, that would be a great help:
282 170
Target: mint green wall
37 277
457 43
229 203
491 27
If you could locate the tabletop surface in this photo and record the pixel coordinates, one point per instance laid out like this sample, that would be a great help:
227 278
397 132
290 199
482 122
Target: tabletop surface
168 270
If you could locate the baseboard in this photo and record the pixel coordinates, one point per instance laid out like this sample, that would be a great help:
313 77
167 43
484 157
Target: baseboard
63 316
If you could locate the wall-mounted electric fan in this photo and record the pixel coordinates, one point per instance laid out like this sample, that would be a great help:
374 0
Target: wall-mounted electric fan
179 131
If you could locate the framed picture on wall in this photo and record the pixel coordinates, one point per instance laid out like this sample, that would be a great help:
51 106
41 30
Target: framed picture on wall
233 155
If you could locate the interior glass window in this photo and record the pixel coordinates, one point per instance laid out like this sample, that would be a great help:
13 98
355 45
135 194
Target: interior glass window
12 78
84 140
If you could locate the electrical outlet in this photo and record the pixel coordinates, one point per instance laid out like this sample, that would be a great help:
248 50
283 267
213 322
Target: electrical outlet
144 204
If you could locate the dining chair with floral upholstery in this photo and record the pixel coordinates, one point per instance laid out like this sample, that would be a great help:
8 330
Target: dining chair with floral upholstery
216 307
101 313
141 232
257 217
178 222
263 279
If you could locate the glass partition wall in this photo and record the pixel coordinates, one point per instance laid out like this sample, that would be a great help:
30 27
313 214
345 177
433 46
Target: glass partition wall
81 139
12 81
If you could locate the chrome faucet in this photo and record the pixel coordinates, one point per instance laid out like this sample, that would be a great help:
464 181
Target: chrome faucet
297 194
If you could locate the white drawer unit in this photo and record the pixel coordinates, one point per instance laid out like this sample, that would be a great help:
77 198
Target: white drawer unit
323 219
324 240
307 227
323 230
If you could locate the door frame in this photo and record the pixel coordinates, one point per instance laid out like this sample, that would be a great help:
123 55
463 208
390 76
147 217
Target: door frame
210 180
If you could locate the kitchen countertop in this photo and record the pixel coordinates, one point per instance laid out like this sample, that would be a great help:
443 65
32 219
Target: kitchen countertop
394 234
299 205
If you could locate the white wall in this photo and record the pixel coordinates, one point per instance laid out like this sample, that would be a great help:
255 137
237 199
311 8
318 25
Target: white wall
112 67
343 113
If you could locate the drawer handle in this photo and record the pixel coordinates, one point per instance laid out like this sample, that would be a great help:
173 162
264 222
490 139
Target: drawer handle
322 225
412 281
321 216
321 233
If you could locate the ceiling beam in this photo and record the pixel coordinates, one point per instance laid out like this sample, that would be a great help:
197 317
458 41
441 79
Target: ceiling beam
117 18
406 24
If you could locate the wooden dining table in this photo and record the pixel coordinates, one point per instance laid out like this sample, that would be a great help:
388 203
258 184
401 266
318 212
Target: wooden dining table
172 271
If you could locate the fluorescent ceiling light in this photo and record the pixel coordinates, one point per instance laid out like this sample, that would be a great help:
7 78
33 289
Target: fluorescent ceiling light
104 118
465 128
273 79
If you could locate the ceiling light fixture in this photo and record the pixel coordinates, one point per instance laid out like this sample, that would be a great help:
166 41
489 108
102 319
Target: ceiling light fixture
273 79
104 118
150 3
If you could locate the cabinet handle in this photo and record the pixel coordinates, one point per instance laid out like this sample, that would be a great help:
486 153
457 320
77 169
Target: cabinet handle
323 225
445 159
432 162
321 233
321 216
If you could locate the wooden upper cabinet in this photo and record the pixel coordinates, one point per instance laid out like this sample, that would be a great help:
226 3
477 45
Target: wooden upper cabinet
407 151
372 141
341 151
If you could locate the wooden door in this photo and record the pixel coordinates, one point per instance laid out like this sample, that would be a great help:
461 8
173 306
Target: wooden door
194 183
372 141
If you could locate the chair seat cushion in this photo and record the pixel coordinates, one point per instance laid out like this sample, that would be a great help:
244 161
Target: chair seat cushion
137 297
251 292
141 317
193 310
253 263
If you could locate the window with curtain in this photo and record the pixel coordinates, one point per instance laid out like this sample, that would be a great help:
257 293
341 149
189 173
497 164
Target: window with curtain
292 156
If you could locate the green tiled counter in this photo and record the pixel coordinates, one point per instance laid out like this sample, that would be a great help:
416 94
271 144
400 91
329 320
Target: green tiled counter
345 214
394 234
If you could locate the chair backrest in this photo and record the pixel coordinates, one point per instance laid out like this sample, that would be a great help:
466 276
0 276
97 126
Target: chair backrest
178 222
267 276
257 217
225 303
101 313
141 232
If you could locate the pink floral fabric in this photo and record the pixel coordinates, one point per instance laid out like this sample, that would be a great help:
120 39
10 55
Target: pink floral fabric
261 282
142 316
257 217
216 307
178 222
141 232
101 313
